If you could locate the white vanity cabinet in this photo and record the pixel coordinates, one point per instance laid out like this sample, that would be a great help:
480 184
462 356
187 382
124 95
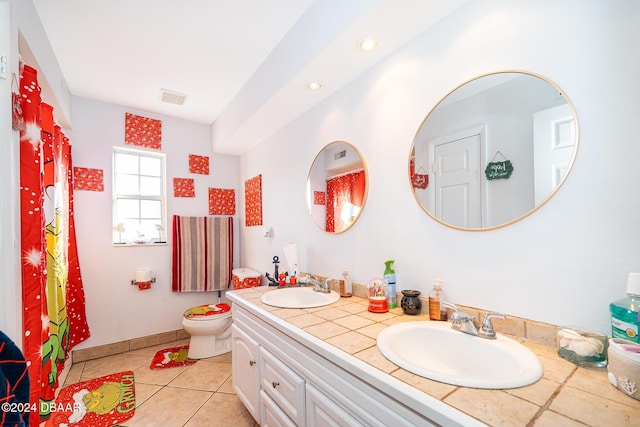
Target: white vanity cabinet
298 386
245 370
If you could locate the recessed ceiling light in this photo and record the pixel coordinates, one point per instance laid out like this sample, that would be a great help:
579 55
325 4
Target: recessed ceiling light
367 44
314 85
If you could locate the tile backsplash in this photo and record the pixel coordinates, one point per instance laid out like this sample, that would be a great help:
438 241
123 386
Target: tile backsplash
530 330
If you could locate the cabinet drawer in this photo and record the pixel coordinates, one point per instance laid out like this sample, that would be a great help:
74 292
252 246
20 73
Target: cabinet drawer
283 385
323 412
272 415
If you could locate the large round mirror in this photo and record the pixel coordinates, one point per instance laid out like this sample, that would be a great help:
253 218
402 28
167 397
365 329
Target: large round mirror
493 150
337 187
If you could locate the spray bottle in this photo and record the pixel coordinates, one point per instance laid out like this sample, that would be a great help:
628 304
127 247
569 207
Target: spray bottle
390 277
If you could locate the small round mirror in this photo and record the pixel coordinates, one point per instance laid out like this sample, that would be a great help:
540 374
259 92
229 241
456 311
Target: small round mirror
337 187
493 151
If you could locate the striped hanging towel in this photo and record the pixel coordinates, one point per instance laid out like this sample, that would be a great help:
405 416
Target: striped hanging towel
202 253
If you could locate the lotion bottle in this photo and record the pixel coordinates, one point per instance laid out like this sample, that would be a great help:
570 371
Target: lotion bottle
436 296
348 287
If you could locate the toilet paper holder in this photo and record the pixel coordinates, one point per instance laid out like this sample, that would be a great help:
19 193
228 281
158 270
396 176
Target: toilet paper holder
144 279
135 282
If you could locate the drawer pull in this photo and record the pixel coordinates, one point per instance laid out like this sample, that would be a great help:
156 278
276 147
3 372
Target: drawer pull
274 384
252 362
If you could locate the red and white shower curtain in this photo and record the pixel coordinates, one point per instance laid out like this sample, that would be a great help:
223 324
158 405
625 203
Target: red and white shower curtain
344 193
54 318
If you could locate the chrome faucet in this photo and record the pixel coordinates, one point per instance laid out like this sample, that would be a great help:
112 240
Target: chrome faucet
463 322
318 286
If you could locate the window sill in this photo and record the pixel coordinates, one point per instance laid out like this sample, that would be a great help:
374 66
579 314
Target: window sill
128 245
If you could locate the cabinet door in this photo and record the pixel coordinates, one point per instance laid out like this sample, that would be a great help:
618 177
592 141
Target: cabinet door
271 415
244 369
283 385
323 412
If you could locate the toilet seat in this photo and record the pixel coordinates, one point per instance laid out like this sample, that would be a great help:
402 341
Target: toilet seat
207 311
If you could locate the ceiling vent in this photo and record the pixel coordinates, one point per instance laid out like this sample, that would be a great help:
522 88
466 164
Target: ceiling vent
172 97
340 154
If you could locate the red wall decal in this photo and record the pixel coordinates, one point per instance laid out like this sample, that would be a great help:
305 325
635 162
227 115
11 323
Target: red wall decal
253 201
319 198
142 131
222 201
199 164
88 179
183 187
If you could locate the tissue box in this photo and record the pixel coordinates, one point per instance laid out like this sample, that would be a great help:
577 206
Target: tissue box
624 366
586 349
245 278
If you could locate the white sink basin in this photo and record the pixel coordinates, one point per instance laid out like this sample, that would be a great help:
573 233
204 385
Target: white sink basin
433 350
298 298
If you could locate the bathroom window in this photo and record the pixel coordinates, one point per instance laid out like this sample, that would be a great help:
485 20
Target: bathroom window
139 197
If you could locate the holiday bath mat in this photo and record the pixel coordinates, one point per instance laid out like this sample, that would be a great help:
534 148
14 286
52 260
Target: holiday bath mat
100 402
172 358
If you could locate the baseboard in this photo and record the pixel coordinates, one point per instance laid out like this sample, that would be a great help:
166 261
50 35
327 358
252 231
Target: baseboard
90 353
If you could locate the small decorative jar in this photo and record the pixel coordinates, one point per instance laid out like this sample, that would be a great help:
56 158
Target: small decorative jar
624 366
410 302
585 349
377 291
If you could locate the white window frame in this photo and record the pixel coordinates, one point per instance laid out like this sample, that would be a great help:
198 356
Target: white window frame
160 236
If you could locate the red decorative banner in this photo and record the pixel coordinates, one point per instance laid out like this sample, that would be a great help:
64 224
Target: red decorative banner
319 198
183 187
47 122
222 201
88 179
253 201
142 131
199 164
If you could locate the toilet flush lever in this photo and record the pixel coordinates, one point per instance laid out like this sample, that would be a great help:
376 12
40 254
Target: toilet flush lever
252 362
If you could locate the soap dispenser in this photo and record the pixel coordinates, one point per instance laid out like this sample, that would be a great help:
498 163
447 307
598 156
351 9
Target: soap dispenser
436 296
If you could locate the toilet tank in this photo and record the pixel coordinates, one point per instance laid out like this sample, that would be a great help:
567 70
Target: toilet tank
245 278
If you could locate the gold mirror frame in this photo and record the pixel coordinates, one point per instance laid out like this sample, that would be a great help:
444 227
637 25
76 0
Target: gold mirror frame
417 175
347 160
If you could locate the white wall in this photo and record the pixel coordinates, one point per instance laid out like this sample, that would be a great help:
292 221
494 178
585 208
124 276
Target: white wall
36 51
116 310
10 275
562 265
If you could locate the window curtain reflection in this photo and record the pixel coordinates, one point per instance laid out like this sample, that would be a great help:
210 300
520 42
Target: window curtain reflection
345 195
54 318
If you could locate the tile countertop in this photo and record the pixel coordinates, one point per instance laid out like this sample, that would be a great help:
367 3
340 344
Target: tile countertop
566 395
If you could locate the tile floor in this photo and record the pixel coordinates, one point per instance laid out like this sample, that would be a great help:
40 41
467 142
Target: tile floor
197 395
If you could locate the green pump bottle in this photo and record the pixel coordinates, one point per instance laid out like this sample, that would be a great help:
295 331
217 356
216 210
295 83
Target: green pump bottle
390 277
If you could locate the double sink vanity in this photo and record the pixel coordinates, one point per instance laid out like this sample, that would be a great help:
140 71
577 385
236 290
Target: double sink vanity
329 361
309 358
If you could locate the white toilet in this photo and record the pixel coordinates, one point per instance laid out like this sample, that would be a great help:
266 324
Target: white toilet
210 328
